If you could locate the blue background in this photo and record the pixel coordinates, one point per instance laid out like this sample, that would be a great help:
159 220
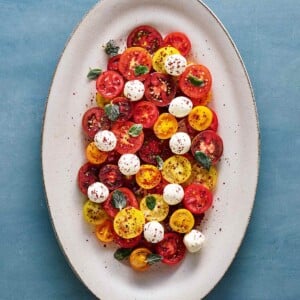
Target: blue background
32 37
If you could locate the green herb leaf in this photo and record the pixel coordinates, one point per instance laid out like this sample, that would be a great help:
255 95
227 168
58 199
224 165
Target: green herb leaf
111 49
203 160
150 202
94 74
112 111
159 162
140 70
118 199
196 81
135 130
122 253
153 258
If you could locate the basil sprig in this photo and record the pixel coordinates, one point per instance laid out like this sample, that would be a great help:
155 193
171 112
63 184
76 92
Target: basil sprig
118 199
112 111
150 202
135 130
94 73
111 49
153 258
122 253
196 81
141 70
203 160
159 162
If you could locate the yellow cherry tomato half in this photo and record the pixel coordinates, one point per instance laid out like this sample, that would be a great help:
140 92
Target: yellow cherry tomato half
159 57
165 126
93 213
176 169
94 155
182 220
138 259
129 222
148 177
101 101
200 117
154 207
104 231
206 177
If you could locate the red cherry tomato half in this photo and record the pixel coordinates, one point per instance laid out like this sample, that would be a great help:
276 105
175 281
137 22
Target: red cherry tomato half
109 207
215 122
197 198
93 120
131 59
127 243
210 143
110 84
160 88
145 113
145 36
179 41
113 157
195 81
111 176
171 248
113 63
125 142
125 108
87 175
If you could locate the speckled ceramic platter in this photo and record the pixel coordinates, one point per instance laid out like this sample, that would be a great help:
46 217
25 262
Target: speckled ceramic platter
63 150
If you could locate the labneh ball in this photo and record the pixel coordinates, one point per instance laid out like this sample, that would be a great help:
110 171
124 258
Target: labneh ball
153 232
173 193
180 143
180 106
134 90
175 64
194 240
97 192
105 140
129 164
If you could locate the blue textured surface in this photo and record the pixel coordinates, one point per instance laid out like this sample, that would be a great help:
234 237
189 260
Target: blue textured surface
32 37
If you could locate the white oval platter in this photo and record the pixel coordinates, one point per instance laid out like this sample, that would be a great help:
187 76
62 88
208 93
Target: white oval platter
63 150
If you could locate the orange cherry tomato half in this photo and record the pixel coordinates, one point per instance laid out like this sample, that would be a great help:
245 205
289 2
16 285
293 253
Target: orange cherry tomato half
104 231
138 259
94 155
165 126
148 177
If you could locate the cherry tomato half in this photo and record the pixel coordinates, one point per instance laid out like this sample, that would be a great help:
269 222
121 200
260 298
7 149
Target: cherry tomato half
210 143
165 126
94 155
87 174
145 36
171 248
131 201
200 117
182 220
131 59
148 177
179 41
125 142
138 259
197 198
145 113
215 122
125 108
104 231
195 81
127 243
160 88
93 213
158 212
111 176
110 84
93 120
113 63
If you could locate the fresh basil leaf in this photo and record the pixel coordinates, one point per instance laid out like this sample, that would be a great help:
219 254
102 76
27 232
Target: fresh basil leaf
159 162
203 160
150 202
196 81
135 130
122 253
94 74
118 199
153 258
141 70
112 111
111 49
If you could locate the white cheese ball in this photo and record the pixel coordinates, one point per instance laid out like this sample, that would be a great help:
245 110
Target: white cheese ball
105 140
180 143
129 164
153 232
193 240
175 64
97 192
173 193
134 90
180 106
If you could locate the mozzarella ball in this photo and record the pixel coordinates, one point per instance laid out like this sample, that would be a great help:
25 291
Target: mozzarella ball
153 232
194 240
180 106
173 193
129 164
105 140
175 64
97 192
134 90
180 143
